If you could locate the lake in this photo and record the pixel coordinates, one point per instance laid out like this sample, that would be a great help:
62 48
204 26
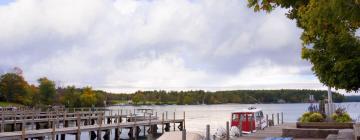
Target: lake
197 116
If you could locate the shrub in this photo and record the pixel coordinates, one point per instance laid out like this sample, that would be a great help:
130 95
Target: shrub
312 117
344 117
341 115
316 117
305 117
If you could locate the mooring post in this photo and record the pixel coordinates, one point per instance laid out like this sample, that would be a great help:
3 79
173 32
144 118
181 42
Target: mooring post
89 118
278 120
227 131
272 119
118 117
282 117
174 121
135 128
261 123
184 121
184 134
121 112
166 115
207 132
267 120
144 125
162 123
117 134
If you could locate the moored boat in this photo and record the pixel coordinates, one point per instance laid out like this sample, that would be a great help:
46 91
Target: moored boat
248 119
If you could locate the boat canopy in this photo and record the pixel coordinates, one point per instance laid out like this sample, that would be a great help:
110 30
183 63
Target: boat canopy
248 110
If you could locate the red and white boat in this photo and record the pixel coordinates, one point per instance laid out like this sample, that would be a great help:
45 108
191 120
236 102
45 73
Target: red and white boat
249 119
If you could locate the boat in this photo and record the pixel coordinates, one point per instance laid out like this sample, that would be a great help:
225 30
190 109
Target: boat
245 120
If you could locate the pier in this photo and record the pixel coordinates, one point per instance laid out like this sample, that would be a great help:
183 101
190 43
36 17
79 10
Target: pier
36 124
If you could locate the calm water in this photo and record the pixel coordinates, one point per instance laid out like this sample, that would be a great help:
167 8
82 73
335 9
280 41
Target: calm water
197 116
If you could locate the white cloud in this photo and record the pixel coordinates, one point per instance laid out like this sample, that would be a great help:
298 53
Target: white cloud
138 44
264 72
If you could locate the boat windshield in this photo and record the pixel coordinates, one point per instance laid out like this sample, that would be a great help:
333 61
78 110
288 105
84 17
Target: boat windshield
235 117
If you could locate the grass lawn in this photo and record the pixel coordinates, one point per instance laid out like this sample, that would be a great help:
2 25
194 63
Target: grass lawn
5 104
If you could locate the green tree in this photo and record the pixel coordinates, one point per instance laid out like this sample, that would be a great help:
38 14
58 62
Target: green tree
13 88
32 97
329 39
70 97
47 91
137 97
88 97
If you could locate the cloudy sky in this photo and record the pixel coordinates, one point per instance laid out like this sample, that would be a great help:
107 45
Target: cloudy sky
127 45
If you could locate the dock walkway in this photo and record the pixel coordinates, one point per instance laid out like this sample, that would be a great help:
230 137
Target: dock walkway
73 130
273 131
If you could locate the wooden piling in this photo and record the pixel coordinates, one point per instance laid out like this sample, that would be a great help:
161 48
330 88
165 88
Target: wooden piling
23 135
260 127
174 121
184 134
144 125
282 117
227 131
117 134
207 137
278 120
99 119
135 129
272 119
150 130
53 130
78 122
184 122
267 120
162 123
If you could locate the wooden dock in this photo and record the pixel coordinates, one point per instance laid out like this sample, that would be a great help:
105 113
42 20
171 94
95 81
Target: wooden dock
36 124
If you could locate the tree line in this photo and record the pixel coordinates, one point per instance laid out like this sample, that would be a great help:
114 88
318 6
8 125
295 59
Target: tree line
221 97
14 89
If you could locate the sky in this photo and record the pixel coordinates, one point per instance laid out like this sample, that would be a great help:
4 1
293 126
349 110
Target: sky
129 45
